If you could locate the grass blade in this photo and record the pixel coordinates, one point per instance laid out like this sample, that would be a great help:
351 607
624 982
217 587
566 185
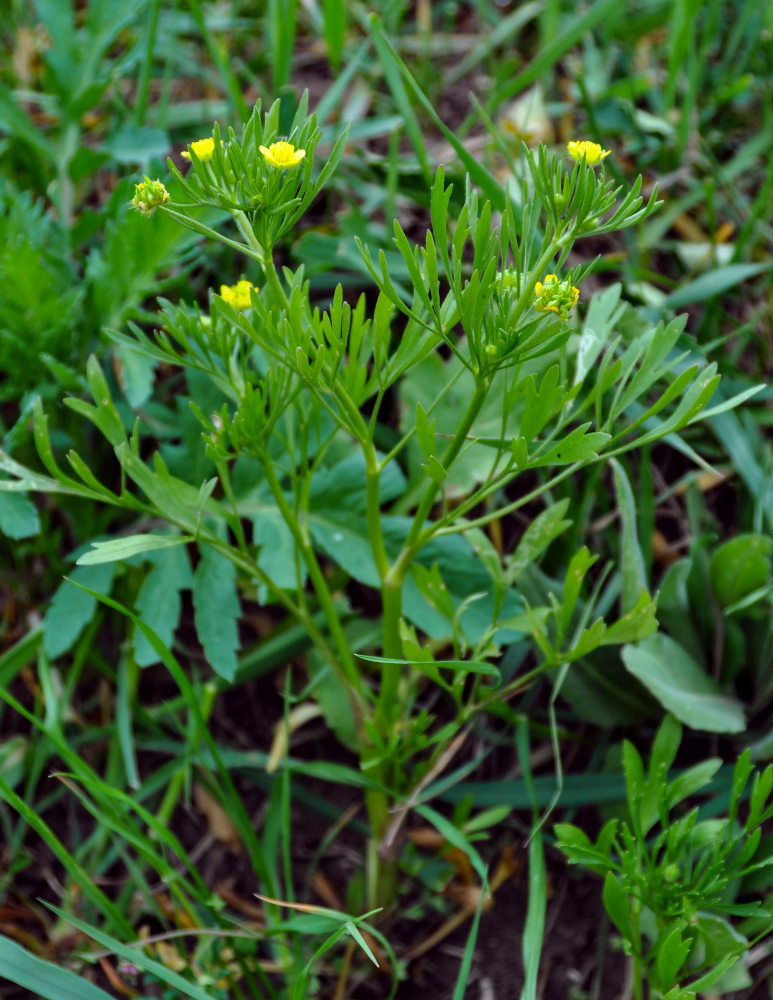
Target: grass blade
485 180
534 928
42 978
540 66
137 957
334 29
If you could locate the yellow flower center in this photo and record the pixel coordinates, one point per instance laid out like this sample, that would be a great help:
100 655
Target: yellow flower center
282 154
591 152
203 148
238 295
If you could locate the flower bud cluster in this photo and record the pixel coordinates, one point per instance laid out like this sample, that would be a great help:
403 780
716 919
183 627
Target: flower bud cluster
556 296
149 195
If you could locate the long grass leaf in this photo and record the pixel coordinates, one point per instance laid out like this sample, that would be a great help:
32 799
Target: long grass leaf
137 957
44 979
485 180
573 31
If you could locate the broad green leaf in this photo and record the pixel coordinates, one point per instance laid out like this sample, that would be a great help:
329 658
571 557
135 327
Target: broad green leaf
43 979
344 485
435 379
132 545
344 538
159 601
72 608
167 494
721 939
739 567
598 691
217 610
277 556
683 688
18 516
138 144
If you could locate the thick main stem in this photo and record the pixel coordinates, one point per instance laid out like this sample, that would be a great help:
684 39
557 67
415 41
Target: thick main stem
382 871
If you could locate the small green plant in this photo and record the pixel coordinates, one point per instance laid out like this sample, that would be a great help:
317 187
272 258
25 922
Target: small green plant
671 876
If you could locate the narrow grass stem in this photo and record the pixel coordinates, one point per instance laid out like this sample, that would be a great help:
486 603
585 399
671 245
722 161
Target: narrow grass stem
143 87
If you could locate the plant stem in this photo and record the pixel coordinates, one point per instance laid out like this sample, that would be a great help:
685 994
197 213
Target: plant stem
392 583
346 664
262 255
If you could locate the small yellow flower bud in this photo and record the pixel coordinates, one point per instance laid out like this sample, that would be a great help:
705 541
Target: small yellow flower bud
555 296
203 148
591 152
238 295
282 154
149 195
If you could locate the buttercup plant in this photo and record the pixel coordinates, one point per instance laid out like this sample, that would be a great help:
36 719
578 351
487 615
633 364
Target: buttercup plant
670 880
298 383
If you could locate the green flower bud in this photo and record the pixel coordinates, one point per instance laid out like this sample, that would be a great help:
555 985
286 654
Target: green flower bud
149 195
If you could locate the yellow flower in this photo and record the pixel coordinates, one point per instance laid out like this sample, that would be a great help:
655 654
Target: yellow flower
203 148
238 295
282 154
555 296
591 152
149 195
